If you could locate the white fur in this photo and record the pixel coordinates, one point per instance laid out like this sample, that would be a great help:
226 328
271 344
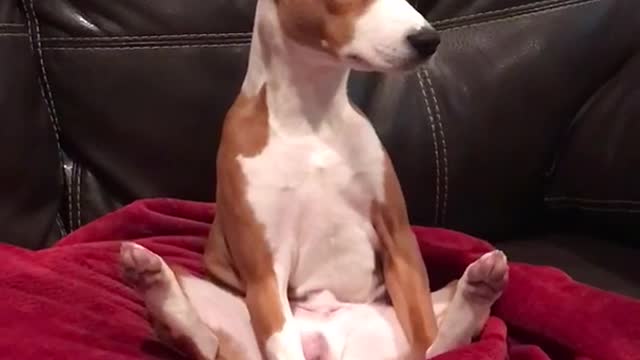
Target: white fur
313 194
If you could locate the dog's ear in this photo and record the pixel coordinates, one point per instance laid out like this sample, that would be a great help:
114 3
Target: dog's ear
303 20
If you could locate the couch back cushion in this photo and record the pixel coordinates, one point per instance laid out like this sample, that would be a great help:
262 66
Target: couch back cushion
139 90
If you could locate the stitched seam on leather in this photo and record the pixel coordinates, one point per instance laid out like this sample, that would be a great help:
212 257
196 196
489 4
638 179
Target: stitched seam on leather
53 111
520 16
444 146
532 6
597 209
13 35
72 179
60 225
155 47
78 186
69 182
149 37
435 145
45 88
590 201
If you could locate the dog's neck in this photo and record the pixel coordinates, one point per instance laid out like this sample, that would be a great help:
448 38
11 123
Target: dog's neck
304 94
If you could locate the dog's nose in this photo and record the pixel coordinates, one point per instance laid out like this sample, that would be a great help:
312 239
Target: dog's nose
425 41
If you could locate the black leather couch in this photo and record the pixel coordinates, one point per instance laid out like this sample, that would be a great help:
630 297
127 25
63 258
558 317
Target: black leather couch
522 130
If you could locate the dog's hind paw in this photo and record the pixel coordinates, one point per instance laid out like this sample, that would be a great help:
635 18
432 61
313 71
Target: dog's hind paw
141 268
485 279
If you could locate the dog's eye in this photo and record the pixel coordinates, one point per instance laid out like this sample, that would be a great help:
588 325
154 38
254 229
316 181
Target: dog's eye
355 58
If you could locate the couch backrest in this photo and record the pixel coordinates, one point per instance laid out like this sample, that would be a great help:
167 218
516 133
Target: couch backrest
527 104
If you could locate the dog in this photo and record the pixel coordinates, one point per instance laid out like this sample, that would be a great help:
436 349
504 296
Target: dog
311 254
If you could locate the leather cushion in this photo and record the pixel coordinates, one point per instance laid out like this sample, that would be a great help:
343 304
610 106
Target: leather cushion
596 179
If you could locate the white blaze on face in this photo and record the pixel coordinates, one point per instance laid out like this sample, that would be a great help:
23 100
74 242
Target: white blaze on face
380 37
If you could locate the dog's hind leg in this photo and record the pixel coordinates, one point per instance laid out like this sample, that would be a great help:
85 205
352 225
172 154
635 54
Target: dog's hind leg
475 293
168 305
221 310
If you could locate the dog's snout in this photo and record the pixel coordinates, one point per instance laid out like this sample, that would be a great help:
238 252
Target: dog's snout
425 41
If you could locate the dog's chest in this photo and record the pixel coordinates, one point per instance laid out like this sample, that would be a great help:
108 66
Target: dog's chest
313 194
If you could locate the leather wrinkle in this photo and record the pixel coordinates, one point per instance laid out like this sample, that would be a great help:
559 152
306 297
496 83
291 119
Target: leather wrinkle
150 37
205 40
154 47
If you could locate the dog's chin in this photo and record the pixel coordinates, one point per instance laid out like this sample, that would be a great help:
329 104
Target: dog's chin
386 64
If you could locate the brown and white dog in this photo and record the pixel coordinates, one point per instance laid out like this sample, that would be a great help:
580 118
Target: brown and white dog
311 254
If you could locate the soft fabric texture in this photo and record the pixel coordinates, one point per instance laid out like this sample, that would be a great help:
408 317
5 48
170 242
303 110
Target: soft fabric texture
69 301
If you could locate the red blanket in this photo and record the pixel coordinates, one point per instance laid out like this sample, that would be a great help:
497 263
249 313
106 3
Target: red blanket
69 302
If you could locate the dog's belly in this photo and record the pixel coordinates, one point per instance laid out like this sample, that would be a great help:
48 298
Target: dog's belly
336 251
348 330
314 199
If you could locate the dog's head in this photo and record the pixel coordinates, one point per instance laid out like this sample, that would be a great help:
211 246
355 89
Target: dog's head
366 35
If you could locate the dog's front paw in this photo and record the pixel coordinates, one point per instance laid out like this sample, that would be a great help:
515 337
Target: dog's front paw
285 344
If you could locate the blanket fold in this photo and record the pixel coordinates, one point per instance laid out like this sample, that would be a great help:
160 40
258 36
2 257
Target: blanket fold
69 302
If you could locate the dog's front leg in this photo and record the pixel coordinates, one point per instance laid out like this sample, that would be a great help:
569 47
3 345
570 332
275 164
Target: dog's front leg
404 272
271 317
264 281
407 284
263 278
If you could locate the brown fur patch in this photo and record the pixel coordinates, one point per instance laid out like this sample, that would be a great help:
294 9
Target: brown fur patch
404 272
245 133
236 253
325 25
